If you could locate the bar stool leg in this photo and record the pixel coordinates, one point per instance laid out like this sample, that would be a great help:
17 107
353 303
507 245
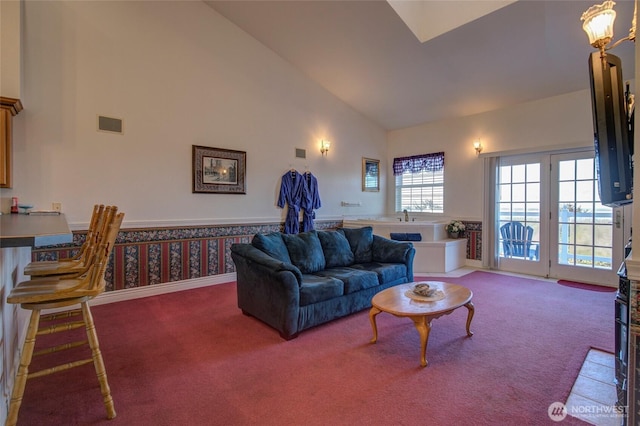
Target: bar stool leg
98 363
23 370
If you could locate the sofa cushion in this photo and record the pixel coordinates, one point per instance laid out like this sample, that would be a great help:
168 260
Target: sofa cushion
273 245
336 248
361 242
387 272
315 289
353 279
305 251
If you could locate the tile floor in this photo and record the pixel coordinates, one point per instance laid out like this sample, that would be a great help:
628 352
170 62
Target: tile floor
593 395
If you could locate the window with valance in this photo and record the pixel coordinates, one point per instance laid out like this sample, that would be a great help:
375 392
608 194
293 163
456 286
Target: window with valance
417 163
420 183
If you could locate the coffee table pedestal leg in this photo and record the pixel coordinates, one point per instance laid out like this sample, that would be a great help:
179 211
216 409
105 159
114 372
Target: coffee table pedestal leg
372 318
424 327
394 301
471 309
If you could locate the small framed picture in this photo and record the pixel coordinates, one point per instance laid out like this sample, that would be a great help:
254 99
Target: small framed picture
218 170
370 175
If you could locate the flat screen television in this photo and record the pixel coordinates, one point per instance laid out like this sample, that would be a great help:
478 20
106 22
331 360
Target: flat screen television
613 113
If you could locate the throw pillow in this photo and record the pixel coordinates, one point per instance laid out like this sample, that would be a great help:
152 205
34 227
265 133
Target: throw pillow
305 251
361 242
273 245
336 248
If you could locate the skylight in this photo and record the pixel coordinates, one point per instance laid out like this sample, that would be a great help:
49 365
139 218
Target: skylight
428 19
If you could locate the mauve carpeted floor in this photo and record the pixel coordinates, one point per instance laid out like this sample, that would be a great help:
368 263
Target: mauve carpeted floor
192 358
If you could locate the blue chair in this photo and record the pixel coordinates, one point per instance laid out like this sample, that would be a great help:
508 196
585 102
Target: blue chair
516 241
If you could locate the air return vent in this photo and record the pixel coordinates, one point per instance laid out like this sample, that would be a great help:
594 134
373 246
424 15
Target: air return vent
109 124
301 153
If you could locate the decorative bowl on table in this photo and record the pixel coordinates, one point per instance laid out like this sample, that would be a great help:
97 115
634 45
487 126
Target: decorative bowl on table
25 207
424 290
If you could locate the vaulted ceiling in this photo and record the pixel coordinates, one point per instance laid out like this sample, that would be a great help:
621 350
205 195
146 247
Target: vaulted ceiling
364 53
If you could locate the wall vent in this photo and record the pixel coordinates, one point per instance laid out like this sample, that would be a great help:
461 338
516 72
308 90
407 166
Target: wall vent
110 124
301 153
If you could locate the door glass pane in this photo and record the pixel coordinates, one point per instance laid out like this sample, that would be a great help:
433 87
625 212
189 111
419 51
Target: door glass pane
585 235
533 173
567 172
519 211
518 173
505 192
603 235
584 169
584 190
584 212
566 192
533 192
518 192
603 256
505 174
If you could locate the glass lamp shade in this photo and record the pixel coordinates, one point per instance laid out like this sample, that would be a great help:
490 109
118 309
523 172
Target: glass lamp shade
598 23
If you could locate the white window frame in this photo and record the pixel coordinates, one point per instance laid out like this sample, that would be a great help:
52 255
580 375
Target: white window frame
427 184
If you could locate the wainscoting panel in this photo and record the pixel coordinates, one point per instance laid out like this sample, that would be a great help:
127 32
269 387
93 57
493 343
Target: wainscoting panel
151 256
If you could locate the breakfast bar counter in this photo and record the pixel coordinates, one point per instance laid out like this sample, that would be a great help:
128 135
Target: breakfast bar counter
22 230
19 234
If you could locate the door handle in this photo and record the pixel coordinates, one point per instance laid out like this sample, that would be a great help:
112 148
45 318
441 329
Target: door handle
618 217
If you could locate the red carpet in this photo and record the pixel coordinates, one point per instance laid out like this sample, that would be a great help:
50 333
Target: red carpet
587 286
192 358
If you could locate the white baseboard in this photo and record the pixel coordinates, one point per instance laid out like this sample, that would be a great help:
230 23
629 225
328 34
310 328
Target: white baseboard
157 289
473 264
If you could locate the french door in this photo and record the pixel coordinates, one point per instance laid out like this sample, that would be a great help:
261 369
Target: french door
522 199
588 238
573 236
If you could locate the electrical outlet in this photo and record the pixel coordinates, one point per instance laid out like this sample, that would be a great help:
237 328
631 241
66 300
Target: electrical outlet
56 207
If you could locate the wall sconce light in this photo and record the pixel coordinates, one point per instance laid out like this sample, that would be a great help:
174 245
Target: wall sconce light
598 24
324 147
477 145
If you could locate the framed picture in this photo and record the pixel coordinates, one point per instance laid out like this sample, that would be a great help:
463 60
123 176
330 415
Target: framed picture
218 170
370 175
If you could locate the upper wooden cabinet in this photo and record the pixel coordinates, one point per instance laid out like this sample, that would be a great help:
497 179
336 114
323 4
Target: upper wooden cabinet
8 108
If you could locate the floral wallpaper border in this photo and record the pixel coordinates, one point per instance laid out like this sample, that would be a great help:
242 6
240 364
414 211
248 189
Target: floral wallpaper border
150 256
473 233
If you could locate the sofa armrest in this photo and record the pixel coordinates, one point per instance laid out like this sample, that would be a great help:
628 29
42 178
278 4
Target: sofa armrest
267 288
261 258
390 251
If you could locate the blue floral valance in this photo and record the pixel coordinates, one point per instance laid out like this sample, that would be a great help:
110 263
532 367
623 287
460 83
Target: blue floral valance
419 163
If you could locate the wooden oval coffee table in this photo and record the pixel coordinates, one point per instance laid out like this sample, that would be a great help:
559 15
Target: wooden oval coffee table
394 301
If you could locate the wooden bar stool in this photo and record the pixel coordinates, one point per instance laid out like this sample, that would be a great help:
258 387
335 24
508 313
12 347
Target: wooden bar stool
99 219
64 291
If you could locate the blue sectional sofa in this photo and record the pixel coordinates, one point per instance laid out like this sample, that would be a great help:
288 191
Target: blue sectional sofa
296 281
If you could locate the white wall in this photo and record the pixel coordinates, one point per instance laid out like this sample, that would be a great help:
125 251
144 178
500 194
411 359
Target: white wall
563 120
179 74
10 41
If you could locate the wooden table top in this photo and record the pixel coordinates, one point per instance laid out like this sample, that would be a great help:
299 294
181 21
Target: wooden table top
394 301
